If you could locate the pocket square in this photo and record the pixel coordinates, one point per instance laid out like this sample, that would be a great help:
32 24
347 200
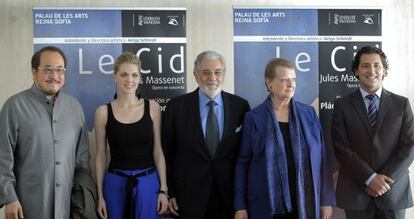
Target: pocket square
238 129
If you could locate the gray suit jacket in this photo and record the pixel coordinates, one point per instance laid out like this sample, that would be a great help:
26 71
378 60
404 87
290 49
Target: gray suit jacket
360 151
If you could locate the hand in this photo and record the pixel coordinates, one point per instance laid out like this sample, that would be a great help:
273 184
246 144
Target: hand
13 210
162 204
173 207
326 212
371 192
102 209
241 214
380 184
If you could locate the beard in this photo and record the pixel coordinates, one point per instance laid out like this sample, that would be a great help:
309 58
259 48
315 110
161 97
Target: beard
210 93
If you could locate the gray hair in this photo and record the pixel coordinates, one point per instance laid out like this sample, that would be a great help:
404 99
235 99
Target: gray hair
209 55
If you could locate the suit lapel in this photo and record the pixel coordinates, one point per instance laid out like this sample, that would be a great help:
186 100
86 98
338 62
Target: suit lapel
359 105
386 102
193 111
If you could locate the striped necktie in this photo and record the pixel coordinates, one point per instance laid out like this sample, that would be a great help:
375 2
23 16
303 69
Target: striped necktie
372 109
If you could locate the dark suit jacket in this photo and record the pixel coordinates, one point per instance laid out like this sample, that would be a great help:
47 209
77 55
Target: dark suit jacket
251 190
388 150
191 169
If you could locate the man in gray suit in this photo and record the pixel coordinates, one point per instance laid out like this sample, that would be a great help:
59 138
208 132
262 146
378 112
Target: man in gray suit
373 139
43 138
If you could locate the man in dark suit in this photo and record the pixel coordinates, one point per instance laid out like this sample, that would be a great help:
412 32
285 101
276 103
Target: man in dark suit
373 139
201 134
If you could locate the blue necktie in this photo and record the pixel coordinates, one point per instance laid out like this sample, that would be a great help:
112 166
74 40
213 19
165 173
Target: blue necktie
372 109
212 129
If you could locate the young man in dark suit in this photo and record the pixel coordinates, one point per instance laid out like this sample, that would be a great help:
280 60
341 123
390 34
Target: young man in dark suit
201 134
373 139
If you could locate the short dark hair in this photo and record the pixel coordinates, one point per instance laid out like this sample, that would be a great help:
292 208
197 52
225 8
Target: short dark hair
370 50
36 56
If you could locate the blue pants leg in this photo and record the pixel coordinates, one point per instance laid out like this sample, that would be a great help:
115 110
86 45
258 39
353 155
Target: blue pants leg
144 195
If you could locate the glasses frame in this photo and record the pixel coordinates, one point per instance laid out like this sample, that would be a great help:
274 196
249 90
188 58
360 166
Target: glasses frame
50 70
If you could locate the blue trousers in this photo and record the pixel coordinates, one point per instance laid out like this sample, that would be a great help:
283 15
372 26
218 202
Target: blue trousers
144 195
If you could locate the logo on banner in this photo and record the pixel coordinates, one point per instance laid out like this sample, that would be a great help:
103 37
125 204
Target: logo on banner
140 20
148 20
173 20
344 19
368 18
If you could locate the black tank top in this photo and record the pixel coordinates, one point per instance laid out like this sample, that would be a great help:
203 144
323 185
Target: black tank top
131 145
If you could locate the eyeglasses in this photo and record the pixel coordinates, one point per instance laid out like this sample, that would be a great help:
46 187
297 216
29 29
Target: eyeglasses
49 70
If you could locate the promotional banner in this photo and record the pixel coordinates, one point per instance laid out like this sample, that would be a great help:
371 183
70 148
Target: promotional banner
92 39
321 43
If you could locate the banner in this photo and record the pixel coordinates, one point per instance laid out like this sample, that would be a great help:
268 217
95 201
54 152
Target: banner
92 39
321 43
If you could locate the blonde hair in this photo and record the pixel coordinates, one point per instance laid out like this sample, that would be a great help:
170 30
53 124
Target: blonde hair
126 57
130 58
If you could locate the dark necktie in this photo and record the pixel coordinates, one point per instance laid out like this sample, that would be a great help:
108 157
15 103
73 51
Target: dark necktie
372 109
212 129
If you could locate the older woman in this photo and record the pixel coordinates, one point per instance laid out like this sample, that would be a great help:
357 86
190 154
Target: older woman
282 171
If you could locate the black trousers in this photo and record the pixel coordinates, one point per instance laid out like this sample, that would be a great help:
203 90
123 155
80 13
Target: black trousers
216 208
286 216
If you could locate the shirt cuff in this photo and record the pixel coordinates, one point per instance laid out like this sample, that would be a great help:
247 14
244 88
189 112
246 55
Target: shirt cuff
369 180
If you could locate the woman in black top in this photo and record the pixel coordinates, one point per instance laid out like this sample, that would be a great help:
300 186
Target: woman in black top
134 185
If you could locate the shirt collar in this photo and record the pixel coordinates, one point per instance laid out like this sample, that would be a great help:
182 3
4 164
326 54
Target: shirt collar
42 96
205 99
364 93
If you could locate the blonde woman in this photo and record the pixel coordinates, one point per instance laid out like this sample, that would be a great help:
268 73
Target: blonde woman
134 186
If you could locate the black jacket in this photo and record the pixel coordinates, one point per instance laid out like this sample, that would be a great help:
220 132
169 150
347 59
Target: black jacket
84 196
